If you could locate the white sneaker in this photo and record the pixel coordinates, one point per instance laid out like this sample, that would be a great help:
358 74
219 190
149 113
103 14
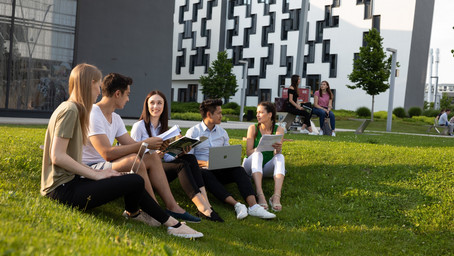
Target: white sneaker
304 131
313 133
333 134
241 211
184 231
260 212
321 132
143 217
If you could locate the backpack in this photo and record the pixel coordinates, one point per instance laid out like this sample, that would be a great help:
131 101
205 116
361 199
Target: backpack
326 128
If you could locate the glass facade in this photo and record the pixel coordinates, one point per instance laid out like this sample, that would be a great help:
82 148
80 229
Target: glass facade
36 53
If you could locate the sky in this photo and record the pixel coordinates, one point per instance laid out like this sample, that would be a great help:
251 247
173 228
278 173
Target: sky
443 38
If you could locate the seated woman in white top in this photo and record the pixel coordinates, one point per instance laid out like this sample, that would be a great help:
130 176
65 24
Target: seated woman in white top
267 163
154 121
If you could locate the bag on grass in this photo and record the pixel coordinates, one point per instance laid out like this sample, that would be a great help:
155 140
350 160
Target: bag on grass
326 128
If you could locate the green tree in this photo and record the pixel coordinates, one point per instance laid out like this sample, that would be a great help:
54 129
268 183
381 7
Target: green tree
445 101
372 69
220 81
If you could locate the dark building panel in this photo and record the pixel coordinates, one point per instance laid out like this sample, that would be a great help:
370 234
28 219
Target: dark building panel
125 38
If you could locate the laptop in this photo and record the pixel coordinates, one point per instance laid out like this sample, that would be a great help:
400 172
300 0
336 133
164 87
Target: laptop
224 157
136 165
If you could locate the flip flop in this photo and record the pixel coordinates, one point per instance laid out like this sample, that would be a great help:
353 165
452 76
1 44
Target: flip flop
273 205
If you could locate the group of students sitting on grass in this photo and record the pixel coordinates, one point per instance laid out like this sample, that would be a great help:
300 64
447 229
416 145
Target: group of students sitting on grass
83 169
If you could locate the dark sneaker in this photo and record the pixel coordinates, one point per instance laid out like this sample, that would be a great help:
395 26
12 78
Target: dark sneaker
184 216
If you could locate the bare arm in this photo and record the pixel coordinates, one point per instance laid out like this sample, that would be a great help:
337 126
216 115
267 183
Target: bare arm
316 102
59 157
251 134
278 145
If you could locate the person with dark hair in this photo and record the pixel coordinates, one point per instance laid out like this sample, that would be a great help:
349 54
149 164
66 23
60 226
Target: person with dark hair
267 163
443 121
323 104
64 177
154 121
211 112
106 126
297 109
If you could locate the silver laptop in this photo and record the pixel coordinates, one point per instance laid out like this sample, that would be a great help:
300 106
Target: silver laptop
224 157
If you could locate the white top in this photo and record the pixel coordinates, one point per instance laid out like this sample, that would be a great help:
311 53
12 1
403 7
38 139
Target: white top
100 125
139 133
217 137
443 119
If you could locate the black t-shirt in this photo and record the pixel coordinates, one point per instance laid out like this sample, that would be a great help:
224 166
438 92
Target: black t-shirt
294 97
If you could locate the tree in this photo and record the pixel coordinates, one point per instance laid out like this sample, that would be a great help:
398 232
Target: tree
445 101
220 81
372 69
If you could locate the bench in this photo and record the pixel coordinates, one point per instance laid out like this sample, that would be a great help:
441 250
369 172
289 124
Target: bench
363 126
436 127
287 118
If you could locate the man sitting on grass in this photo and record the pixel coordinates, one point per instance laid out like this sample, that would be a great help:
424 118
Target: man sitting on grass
214 179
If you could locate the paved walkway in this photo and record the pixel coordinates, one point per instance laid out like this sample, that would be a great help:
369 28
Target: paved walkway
188 124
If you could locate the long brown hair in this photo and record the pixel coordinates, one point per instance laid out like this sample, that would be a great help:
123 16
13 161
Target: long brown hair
328 89
163 119
270 108
294 81
80 82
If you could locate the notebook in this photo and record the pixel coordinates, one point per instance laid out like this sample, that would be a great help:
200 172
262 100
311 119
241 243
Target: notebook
224 157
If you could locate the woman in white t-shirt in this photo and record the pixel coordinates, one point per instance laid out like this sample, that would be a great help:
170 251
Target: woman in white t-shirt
154 121
323 104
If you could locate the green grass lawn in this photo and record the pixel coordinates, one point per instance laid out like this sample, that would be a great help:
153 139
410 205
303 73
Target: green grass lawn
369 194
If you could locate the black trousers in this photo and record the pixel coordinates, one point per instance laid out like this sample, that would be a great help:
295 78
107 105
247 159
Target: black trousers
304 113
87 194
188 172
216 179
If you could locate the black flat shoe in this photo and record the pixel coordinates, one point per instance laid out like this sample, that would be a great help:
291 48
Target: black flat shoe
213 217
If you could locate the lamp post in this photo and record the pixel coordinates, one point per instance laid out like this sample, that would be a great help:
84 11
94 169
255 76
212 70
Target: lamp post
391 89
245 65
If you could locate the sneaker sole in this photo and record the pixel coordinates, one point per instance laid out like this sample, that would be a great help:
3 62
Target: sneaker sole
193 236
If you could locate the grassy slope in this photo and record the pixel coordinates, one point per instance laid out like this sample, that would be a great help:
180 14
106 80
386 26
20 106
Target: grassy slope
348 195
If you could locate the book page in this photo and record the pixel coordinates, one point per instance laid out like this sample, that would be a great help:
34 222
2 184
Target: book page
267 141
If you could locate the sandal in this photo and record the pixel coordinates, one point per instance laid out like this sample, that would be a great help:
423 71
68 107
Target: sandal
273 205
264 205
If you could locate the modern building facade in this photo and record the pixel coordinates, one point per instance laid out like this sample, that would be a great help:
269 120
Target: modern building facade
40 42
269 34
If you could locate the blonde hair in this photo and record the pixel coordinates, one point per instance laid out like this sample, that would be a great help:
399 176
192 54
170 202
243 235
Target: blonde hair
80 81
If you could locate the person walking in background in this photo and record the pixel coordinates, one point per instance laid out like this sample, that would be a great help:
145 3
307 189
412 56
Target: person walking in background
64 177
267 163
297 109
154 121
323 104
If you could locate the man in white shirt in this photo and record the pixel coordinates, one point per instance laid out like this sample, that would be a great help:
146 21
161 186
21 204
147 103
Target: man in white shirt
214 179
106 126
443 121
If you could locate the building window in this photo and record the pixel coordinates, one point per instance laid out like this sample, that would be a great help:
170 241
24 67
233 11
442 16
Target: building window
311 52
364 38
289 66
333 65
252 86
367 9
192 88
359 2
336 3
263 63
319 32
203 27
327 16
335 21
182 94
356 56
270 54
247 34
325 51
187 29
376 22
313 82
265 95
283 55
281 85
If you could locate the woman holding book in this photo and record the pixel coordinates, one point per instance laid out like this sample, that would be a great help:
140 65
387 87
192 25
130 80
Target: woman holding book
266 163
154 121
64 178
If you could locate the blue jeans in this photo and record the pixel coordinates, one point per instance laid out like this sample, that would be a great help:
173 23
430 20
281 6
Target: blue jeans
322 114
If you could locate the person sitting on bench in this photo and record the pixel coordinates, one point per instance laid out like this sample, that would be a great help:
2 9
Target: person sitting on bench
297 109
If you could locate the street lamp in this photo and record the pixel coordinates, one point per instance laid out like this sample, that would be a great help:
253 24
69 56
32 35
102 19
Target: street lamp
245 65
391 89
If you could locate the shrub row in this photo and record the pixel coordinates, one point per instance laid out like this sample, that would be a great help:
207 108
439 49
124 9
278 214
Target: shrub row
398 112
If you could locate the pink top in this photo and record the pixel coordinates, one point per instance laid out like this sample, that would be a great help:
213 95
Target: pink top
322 101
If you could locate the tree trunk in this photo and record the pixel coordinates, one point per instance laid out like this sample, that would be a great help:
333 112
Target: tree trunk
372 109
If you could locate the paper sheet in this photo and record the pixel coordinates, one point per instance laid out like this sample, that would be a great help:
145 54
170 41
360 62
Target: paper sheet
267 141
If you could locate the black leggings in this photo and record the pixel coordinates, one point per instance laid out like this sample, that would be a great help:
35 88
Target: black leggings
304 113
188 172
87 194
215 179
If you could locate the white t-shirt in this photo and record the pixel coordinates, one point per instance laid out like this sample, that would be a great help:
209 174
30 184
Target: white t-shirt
100 125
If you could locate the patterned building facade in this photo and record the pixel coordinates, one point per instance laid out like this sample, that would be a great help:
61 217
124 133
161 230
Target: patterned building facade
280 38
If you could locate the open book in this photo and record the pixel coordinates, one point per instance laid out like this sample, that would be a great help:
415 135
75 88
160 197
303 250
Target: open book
176 147
267 141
